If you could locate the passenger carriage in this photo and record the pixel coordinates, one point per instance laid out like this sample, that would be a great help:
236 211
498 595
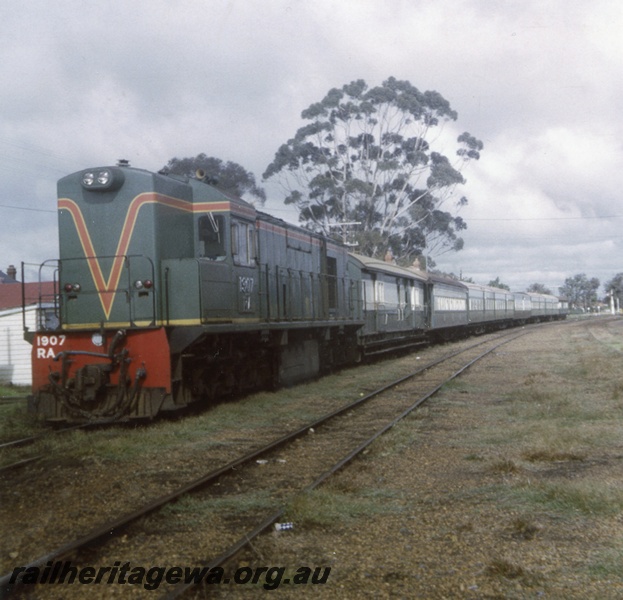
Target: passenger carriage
448 299
395 308
489 305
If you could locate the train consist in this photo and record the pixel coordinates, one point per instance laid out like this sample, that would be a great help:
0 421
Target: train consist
169 292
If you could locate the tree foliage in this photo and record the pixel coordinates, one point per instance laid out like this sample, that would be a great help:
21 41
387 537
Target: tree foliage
365 157
616 286
580 291
538 288
496 283
227 176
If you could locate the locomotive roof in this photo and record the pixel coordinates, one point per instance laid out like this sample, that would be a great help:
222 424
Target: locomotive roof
203 186
292 227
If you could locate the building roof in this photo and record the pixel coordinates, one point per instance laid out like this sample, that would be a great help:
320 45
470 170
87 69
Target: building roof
4 278
11 295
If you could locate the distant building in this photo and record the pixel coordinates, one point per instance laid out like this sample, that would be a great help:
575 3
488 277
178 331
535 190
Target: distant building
9 276
15 351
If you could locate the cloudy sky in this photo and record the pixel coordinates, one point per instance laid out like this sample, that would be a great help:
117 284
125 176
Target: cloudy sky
540 82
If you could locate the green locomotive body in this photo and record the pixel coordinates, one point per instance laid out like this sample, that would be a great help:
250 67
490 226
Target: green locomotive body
171 291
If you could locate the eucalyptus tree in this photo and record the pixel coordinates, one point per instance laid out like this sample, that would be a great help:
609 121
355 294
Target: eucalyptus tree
227 176
580 291
366 157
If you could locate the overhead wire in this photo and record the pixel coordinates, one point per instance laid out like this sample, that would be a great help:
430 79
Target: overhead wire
44 210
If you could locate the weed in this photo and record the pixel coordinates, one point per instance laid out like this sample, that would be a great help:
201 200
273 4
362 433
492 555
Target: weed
552 455
524 528
505 466
16 423
327 507
572 497
500 567
617 390
608 563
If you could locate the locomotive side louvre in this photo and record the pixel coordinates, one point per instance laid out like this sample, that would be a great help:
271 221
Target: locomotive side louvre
309 299
298 284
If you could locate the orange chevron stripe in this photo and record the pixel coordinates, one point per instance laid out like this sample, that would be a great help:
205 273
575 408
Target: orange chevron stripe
107 289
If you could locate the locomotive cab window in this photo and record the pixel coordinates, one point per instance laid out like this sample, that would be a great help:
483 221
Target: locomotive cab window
243 243
212 237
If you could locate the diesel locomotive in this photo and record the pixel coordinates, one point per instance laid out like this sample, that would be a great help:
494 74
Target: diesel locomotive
169 291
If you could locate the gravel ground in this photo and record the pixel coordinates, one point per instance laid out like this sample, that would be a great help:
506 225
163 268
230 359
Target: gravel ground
462 517
453 503
88 478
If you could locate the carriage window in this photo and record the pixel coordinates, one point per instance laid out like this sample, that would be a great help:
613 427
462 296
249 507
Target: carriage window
380 292
368 290
391 294
416 296
212 236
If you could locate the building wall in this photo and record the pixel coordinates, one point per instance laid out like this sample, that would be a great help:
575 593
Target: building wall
15 366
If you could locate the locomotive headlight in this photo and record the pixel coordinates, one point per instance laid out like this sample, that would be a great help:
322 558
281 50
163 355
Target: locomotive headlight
97 339
138 284
106 179
103 177
72 287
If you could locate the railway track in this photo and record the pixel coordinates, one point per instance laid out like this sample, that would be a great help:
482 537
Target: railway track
27 441
323 446
12 399
30 440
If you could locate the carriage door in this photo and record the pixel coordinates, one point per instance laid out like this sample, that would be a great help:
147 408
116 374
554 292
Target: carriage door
428 304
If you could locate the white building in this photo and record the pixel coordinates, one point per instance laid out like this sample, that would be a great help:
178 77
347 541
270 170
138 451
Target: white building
15 366
15 351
